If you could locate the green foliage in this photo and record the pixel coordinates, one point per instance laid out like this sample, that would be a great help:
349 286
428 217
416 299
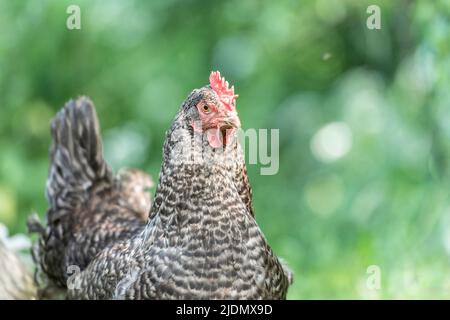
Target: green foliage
297 66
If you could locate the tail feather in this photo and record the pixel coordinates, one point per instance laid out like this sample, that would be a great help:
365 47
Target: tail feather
76 166
76 155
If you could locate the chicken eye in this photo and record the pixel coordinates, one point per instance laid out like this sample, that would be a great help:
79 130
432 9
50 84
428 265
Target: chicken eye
205 108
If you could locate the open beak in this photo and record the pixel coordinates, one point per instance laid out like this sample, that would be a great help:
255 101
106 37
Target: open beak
219 136
230 121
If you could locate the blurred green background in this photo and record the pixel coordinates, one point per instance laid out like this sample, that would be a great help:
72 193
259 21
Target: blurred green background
364 119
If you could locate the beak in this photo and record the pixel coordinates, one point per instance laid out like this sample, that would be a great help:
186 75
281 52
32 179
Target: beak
231 121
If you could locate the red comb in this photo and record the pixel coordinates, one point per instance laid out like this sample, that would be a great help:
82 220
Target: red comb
220 86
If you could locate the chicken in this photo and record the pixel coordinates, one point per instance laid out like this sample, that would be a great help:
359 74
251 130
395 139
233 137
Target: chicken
201 240
16 281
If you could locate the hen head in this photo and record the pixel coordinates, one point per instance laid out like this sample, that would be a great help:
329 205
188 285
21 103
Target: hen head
212 111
